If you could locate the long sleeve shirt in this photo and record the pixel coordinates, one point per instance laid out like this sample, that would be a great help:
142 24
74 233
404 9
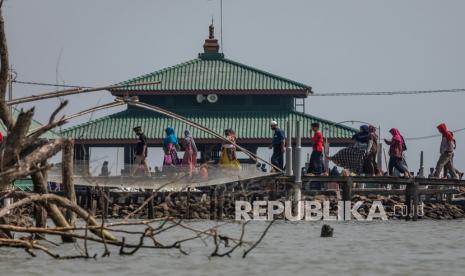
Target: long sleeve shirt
318 142
395 148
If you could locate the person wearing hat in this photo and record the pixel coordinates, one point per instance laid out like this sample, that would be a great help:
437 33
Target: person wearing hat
278 144
316 165
141 152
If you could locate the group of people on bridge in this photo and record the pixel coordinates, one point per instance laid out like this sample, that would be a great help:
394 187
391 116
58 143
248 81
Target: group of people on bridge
171 145
359 158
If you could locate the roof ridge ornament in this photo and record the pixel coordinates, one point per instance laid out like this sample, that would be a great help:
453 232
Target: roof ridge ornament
211 46
211 30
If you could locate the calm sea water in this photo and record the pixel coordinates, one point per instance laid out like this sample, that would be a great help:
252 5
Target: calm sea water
375 248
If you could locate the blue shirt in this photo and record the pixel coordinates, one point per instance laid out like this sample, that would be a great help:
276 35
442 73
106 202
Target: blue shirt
278 137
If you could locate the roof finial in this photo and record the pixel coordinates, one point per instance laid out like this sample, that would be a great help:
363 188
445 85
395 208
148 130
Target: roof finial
211 44
211 31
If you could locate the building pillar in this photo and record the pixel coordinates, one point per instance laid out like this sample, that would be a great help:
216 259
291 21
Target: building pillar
82 157
289 150
128 158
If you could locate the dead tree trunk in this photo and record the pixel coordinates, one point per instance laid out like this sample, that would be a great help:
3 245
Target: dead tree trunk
67 176
40 180
40 214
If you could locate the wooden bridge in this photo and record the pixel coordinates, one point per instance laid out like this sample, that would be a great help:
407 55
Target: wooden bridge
274 186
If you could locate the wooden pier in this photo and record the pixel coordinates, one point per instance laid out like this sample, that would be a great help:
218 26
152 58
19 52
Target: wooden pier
274 187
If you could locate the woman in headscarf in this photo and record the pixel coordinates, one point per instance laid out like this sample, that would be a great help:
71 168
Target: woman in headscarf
446 150
352 157
170 143
361 138
370 166
228 156
190 153
396 149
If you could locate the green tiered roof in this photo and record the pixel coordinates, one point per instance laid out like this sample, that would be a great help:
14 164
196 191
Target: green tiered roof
248 125
213 72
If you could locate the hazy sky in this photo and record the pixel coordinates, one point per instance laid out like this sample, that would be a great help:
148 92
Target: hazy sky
334 46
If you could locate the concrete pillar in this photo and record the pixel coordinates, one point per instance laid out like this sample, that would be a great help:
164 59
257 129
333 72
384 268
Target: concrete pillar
326 153
298 170
380 157
289 149
82 157
128 158
298 154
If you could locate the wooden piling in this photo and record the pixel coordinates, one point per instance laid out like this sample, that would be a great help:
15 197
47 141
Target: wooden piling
220 203
150 209
40 215
213 203
67 178
347 193
411 200
347 190
188 197
104 201
414 197
91 202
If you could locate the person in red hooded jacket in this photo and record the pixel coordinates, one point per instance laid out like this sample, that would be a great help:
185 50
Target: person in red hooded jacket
1 137
316 165
446 150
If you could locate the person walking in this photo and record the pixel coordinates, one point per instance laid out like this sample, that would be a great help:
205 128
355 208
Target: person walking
141 152
170 145
396 148
353 157
190 152
278 144
316 165
446 150
370 166
228 158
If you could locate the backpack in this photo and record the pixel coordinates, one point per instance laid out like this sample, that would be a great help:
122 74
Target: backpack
404 146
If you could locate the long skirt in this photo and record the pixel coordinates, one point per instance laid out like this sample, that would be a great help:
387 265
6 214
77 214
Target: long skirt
190 159
171 159
316 165
350 158
370 166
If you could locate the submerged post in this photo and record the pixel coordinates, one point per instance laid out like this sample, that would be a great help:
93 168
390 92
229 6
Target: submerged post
213 203
289 150
347 193
188 206
220 202
150 209
297 169
415 201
